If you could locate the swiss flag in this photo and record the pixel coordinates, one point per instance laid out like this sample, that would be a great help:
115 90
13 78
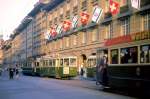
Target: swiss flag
84 18
53 32
66 25
114 7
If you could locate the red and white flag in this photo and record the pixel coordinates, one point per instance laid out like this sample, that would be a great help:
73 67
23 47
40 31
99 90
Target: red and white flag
53 32
66 25
114 7
84 18
135 4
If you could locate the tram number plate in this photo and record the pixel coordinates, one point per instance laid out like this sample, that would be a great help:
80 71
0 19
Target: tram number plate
66 70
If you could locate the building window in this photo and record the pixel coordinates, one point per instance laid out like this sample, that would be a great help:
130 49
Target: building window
125 26
129 55
114 56
68 15
94 35
110 31
75 10
146 21
61 18
84 37
145 54
94 2
84 5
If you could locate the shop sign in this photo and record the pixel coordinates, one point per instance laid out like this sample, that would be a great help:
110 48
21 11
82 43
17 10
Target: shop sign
141 36
65 70
118 40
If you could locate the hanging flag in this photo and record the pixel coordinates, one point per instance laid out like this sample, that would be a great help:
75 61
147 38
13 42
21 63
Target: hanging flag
59 29
53 32
114 7
135 4
74 21
66 25
97 14
84 18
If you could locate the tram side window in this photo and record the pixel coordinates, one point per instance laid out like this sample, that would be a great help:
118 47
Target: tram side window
145 54
72 62
129 55
54 62
114 56
61 62
66 62
50 63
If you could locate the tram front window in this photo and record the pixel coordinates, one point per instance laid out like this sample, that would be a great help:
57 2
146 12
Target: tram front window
145 54
114 56
129 55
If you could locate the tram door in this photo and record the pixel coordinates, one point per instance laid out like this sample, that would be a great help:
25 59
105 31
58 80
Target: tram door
101 53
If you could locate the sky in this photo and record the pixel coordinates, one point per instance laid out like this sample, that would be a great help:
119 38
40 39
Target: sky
12 13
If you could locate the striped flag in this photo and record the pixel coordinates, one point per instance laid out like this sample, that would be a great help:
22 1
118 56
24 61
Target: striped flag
135 4
97 14
59 28
74 21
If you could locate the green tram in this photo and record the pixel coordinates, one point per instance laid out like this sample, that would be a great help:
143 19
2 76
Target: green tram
128 65
91 66
53 67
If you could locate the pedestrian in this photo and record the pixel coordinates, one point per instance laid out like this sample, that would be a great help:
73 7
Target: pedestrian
11 73
17 71
101 71
81 71
104 71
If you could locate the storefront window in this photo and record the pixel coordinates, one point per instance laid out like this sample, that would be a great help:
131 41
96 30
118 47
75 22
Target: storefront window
145 54
129 55
114 56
